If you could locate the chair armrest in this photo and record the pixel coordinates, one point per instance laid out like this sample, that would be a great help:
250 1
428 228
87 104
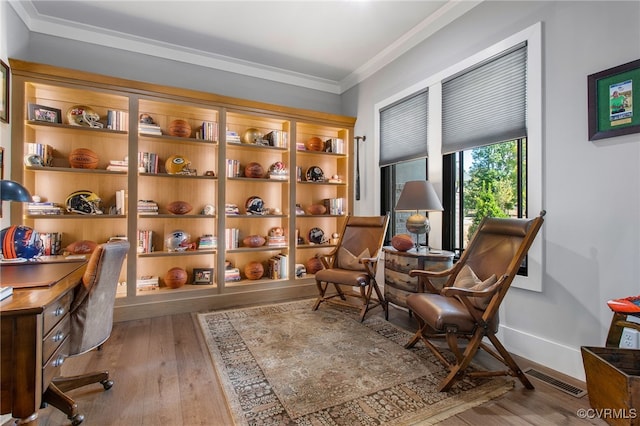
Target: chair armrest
327 259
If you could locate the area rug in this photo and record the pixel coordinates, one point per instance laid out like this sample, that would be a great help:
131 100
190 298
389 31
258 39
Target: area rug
285 364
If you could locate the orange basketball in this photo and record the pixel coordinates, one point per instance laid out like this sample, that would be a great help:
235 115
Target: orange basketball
180 128
83 158
254 170
254 270
314 265
314 144
175 277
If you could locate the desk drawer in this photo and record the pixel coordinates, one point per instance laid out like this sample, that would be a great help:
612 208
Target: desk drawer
55 338
54 313
51 367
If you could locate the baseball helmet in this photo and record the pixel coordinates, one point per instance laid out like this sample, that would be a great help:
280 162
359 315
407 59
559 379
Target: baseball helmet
83 202
20 241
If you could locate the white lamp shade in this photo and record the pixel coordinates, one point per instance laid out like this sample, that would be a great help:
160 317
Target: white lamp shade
418 195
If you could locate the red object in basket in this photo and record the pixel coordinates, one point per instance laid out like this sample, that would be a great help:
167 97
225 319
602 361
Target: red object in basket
626 305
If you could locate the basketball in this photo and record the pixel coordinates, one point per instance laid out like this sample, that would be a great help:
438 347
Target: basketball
314 265
254 241
254 170
316 209
179 207
83 158
402 242
254 270
175 277
314 144
180 128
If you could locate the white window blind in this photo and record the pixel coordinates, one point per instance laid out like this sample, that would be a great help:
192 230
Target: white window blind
486 104
403 130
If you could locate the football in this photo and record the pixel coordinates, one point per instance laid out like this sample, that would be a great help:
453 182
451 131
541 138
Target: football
316 209
254 270
83 158
314 144
254 170
81 247
179 207
175 277
402 242
253 241
314 265
180 128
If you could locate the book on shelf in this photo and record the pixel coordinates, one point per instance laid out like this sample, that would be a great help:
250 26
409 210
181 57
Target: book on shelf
208 131
232 274
145 241
42 150
147 207
117 120
5 292
233 137
207 242
121 197
233 168
232 238
149 129
278 266
335 206
148 161
51 243
44 208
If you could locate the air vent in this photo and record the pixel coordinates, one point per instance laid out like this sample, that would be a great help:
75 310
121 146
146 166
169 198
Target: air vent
556 383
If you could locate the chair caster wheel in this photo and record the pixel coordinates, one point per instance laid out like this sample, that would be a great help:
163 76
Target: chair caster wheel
77 419
107 384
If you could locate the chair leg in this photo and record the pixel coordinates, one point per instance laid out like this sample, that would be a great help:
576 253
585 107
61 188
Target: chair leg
510 362
73 382
457 370
54 396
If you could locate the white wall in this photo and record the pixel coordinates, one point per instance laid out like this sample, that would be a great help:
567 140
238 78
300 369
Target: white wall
591 236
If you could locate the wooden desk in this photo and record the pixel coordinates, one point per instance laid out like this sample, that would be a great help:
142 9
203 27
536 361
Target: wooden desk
397 264
34 326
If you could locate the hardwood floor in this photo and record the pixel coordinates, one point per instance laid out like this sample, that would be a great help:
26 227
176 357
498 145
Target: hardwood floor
163 376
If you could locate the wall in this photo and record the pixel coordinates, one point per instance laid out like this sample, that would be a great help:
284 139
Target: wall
591 190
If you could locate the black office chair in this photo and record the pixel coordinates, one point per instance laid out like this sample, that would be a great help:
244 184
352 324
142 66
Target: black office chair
91 321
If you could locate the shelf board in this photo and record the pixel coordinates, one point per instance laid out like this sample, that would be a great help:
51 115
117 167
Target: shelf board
71 216
177 253
255 146
306 182
247 179
316 216
175 216
253 249
307 152
168 138
75 128
309 246
72 170
177 176
254 216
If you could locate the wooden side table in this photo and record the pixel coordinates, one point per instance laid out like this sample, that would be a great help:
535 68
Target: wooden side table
397 265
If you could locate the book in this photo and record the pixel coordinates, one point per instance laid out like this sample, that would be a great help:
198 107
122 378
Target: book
5 292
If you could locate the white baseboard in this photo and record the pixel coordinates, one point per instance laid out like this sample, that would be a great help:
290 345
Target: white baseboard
561 358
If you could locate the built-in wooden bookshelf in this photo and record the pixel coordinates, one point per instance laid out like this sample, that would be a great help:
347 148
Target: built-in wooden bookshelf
218 194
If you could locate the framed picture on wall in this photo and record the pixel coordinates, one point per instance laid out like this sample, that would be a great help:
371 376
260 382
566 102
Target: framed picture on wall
4 99
614 101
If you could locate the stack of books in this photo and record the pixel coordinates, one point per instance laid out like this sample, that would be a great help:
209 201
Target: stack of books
44 151
280 240
149 129
51 243
233 168
233 137
208 131
207 242
44 208
147 207
147 282
148 162
145 241
232 274
278 267
335 206
117 120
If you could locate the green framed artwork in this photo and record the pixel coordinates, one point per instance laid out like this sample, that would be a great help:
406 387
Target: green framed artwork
614 101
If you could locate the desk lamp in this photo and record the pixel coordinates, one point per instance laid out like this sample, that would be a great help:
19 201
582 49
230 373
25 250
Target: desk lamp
418 195
13 191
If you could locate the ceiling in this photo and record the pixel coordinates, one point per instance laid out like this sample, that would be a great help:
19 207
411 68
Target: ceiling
324 45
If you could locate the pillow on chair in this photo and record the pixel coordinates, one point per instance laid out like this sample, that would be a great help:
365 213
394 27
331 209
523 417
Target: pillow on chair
346 259
468 279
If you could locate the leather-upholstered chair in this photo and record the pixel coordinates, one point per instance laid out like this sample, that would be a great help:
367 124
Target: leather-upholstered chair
352 264
91 321
467 307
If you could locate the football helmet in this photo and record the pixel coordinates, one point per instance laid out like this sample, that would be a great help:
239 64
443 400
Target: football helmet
255 205
83 202
80 115
178 165
20 241
177 240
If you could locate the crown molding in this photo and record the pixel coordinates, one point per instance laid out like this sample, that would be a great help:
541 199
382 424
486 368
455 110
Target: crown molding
57 27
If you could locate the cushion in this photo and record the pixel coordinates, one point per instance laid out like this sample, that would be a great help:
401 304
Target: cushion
347 260
468 279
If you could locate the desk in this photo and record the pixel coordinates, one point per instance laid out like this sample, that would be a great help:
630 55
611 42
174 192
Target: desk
34 326
397 264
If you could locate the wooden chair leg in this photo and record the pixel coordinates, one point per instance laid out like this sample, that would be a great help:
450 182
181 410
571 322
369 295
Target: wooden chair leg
510 362
73 382
457 370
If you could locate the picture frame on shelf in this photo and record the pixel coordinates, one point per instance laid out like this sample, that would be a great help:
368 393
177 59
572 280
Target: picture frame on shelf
612 95
44 113
4 99
203 276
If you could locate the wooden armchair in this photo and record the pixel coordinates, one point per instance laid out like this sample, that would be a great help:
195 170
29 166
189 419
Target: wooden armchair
353 264
467 307
91 322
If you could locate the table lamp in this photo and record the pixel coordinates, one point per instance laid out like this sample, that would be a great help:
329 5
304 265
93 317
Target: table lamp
418 195
13 191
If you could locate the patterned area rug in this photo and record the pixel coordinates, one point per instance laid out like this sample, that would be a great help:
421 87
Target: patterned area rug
285 364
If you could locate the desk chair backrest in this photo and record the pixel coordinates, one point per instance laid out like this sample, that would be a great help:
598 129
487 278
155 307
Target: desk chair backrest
92 306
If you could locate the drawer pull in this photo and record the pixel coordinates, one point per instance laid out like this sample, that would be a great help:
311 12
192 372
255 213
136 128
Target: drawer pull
59 311
58 336
58 361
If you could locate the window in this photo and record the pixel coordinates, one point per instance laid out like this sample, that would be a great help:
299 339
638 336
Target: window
489 180
393 180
